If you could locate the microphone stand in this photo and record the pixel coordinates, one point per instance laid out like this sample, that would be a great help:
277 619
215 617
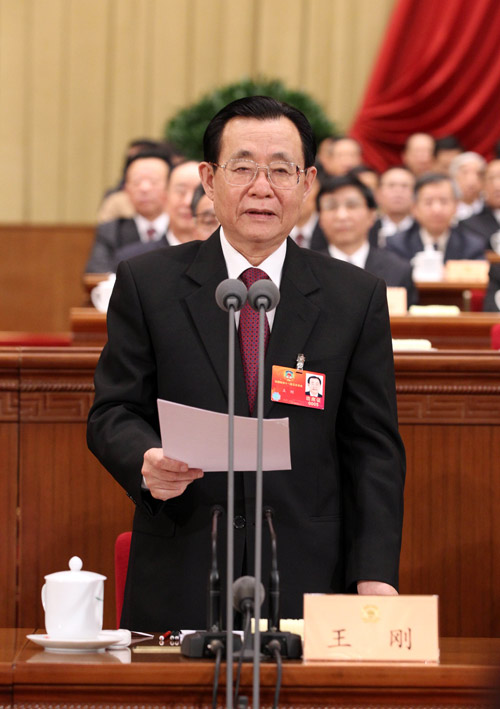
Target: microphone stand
230 508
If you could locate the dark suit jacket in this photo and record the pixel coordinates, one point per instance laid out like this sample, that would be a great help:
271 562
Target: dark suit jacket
489 304
109 237
338 512
461 244
395 271
483 225
137 248
318 239
373 233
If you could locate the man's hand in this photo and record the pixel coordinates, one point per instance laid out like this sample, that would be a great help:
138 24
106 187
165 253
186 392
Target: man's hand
375 588
165 477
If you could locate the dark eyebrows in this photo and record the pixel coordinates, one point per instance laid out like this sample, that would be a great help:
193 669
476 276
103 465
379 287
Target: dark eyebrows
249 155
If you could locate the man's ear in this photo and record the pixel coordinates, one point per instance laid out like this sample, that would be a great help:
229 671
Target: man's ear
309 180
207 178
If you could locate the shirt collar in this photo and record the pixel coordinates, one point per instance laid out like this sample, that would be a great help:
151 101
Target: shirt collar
306 229
429 241
236 263
358 258
159 225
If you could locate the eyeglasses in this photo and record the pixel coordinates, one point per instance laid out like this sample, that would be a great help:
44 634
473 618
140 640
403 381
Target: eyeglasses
240 173
333 206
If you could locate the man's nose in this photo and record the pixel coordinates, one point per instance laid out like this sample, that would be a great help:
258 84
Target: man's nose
261 182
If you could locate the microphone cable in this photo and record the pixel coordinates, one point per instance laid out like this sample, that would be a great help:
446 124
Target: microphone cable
275 647
216 647
246 635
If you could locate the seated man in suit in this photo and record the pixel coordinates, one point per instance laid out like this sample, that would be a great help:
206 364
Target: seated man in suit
205 218
338 511
445 150
181 184
146 186
467 173
434 209
347 210
339 154
486 224
395 203
418 153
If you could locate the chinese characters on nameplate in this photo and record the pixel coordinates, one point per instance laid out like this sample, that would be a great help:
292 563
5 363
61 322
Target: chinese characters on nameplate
374 628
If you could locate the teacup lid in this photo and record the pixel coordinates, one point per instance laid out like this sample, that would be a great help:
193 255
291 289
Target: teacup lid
75 574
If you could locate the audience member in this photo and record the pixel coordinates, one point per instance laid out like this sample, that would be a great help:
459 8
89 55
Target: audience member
339 154
434 209
486 223
307 232
467 173
116 202
146 186
395 201
205 219
182 182
445 149
367 175
347 210
418 153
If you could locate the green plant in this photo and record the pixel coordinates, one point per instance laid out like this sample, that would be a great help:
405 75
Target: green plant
186 128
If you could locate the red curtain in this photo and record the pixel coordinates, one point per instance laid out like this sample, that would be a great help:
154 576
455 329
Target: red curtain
438 72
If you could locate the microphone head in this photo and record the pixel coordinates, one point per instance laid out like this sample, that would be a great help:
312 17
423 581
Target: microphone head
264 294
231 293
244 591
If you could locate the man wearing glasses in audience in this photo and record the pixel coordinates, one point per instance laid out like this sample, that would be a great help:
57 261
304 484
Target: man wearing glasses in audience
338 511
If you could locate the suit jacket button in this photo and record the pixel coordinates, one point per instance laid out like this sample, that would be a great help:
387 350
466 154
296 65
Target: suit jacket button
239 522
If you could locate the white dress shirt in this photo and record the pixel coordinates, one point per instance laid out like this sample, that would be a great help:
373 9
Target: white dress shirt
159 224
358 258
236 263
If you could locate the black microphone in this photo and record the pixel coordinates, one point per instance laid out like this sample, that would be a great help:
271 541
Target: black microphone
244 594
207 643
231 293
273 622
214 617
290 644
263 294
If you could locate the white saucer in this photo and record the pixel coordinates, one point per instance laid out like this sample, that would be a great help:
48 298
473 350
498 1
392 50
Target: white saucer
103 640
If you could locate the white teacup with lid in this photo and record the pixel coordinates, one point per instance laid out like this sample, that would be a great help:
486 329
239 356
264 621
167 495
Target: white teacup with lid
73 602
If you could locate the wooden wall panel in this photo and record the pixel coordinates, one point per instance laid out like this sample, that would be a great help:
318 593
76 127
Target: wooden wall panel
70 505
41 275
78 80
9 442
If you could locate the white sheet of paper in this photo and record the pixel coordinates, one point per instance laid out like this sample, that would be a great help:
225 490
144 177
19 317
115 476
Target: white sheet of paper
199 438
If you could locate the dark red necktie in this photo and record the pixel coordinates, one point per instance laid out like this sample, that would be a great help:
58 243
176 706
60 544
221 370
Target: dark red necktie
151 232
248 332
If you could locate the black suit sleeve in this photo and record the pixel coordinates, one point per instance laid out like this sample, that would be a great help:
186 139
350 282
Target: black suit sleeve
371 453
123 421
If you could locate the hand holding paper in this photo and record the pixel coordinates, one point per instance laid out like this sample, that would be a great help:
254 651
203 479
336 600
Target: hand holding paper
199 438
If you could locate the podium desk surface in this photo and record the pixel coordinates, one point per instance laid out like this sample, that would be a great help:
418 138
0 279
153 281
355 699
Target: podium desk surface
469 669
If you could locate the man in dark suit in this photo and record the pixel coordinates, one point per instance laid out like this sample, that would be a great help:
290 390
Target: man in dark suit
434 209
486 224
395 202
181 185
347 210
146 180
338 511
